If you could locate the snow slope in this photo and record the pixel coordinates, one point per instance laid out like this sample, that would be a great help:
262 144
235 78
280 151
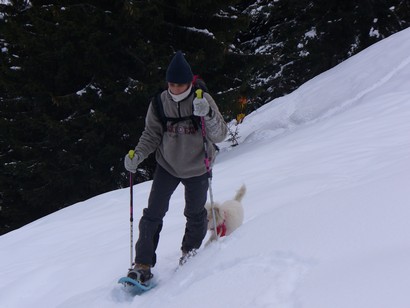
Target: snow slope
327 210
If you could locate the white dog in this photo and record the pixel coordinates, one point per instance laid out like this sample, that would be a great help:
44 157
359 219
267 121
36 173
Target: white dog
228 215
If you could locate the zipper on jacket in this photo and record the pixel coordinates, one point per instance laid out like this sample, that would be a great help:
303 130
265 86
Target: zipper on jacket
179 109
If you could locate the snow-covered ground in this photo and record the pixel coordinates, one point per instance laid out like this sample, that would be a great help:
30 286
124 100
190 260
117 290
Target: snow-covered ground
327 211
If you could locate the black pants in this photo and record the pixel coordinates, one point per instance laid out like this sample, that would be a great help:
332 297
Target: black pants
150 225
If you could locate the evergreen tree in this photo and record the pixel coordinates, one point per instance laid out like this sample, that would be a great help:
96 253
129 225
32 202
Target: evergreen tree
72 100
297 40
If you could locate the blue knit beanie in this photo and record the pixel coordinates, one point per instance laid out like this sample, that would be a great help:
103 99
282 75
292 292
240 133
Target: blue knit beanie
179 70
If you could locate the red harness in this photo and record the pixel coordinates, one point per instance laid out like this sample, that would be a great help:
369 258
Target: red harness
221 229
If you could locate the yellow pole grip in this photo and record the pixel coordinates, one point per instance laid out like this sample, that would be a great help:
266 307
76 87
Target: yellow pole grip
199 93
131 154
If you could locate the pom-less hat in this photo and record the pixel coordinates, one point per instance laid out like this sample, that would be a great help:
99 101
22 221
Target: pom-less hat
179 70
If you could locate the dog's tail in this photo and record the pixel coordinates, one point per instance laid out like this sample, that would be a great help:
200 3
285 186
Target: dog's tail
240 193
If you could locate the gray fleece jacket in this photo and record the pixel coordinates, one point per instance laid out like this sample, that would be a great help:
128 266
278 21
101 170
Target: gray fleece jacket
180 148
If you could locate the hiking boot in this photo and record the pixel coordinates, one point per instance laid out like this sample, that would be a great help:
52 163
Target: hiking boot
141 273
186 255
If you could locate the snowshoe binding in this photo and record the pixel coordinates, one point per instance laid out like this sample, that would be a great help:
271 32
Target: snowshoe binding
138 280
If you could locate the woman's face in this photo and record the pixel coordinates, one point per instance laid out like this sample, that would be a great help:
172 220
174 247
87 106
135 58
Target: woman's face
178 88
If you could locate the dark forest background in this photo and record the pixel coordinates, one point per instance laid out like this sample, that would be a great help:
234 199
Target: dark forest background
76 78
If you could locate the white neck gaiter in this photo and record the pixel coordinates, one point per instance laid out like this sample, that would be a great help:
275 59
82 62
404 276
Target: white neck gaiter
182 96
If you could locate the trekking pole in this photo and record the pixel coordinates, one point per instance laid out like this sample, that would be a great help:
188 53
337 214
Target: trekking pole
199 94
131 155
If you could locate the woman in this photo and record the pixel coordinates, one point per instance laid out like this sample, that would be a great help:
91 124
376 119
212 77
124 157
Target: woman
179 152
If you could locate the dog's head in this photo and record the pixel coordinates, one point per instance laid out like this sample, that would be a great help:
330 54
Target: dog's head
219 215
